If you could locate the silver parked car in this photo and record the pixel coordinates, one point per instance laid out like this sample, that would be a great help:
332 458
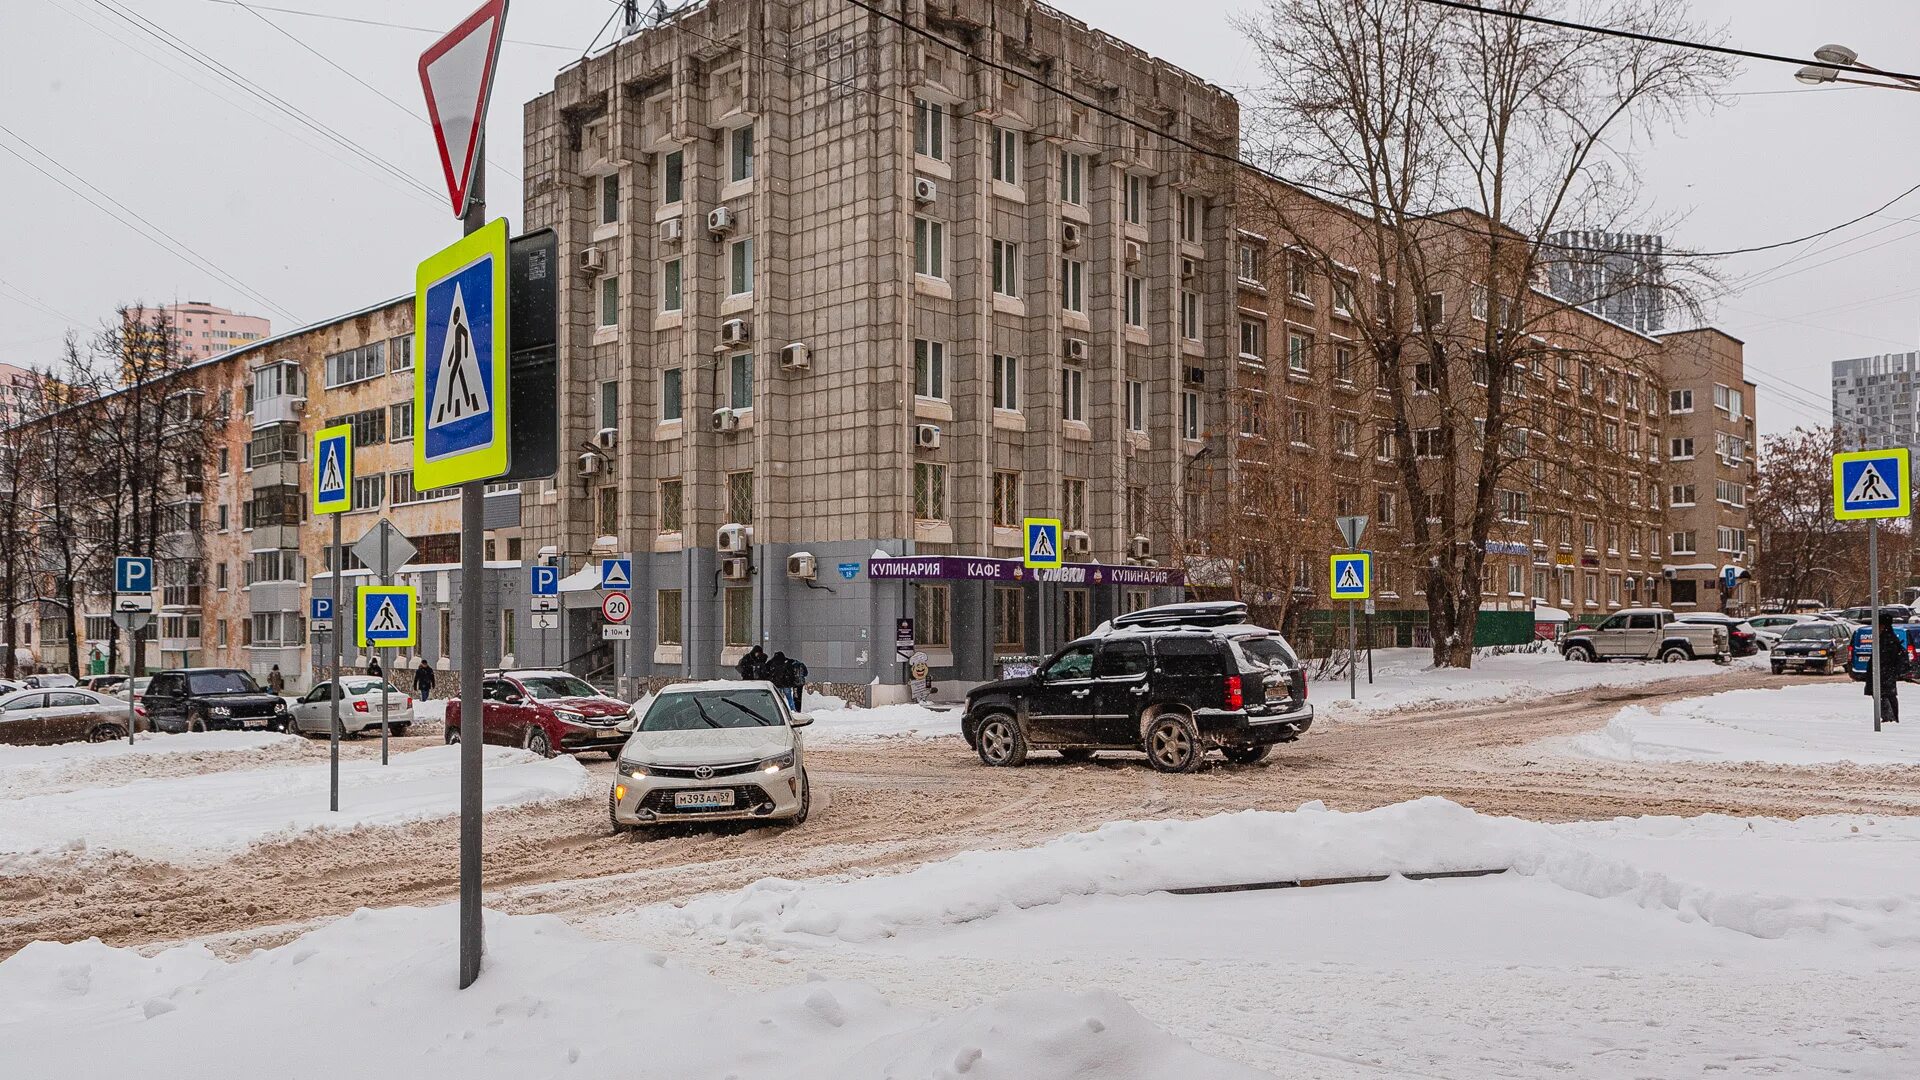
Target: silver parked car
359 708
714 751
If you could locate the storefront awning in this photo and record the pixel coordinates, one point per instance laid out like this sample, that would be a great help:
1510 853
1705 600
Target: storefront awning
971 568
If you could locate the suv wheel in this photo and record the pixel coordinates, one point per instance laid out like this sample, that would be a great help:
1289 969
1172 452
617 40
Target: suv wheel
196 722
1675 654
1247 755
1580 654
1173 744
538 742
1001 743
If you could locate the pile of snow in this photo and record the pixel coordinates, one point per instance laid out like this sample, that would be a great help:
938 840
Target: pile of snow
1818 724
850 724
192 819
1406 679
27 770
1127 859
550 1002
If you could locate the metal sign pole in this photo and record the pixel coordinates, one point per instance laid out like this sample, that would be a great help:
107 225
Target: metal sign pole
473 520
333 694
1873 597
386 669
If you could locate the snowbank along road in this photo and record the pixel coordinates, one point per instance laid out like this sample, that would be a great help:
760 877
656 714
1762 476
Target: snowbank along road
895 803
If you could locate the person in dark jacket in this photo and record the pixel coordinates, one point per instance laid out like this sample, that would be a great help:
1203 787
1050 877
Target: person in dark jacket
373 667
1893 668
423 681
754 664
788 675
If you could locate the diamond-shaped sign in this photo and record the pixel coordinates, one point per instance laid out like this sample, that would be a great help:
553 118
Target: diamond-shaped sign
384 549
457 74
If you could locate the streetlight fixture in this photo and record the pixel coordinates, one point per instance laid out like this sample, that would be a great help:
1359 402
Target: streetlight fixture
1835 57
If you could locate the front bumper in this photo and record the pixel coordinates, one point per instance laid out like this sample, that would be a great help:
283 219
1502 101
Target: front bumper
757 796
1262 725
582 738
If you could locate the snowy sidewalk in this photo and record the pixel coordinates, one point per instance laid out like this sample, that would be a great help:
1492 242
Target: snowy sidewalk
1405 679
1829 723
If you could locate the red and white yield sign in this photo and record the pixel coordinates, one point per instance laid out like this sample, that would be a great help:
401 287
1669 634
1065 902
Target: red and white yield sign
615 607
457 74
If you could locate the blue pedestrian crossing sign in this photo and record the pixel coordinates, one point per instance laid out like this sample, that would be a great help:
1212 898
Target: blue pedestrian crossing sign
1042 547
132 574
460 362
1350 576
545 581
333 470
1872 484
385 616
616 574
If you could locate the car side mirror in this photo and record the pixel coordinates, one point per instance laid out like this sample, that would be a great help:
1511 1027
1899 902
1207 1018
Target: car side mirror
801 719
514 699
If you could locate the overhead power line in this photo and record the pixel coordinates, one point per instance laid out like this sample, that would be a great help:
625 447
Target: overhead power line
380 23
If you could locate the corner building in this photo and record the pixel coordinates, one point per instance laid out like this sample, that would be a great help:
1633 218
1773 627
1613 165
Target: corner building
868 294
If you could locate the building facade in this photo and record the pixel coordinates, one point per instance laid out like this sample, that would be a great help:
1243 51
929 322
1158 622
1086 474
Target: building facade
1875 400
205 331
1620 277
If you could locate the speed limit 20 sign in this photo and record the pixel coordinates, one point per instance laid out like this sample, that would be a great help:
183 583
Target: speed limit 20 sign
615 607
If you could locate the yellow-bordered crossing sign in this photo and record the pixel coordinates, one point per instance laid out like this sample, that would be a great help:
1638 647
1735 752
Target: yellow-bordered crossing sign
1042 547
460 362
1350 575
384 615
333 470
1872 484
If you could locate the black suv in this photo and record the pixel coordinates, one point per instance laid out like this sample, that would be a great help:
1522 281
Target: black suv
1174 681
202 699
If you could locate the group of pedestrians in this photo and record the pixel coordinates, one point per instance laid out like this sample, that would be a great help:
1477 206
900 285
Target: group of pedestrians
788 674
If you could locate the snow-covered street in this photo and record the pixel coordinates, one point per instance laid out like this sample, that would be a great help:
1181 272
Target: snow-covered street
1405 679
1828 723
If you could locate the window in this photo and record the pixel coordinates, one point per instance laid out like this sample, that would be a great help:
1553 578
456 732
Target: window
1249 263
740 268
1006 155
1679 401
367 491
226 462
1009 618
670 293
278 628
1732 541
929 491
1074 496
1385 506
1006 500
671 518
1006 383
1346 437
929 244
400 490
399 421
610 198
1682 543
1426 442
740 381
369 426
739 618
1299 425
1383 449
1073 383
666 624
1253 339
1252 419
1680 449
1589 534
1135 289
1477 302
742 155
446 629
1433 311
673 177
1299 352
223 518
351 366
1192 219
930 129
606 511
1297 275
930 369
1073 274
740 498
1079 610
276 566
933 615
1189 415
1136 405
1006 268
1073 178
1189 315
1343 297
1728 492
1136 199
1681 495
610 300
610 404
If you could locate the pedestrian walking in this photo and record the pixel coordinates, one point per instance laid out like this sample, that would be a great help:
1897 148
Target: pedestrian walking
788 675
276 682
1893 669
373 667
796 681
423 681
754 664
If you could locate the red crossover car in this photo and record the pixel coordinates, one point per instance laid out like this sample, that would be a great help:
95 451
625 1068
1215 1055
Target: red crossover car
548 712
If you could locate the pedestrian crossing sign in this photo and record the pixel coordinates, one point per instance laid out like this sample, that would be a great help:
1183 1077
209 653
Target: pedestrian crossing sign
385 616
1042 549
1350 576
460 362
333 470
1872 484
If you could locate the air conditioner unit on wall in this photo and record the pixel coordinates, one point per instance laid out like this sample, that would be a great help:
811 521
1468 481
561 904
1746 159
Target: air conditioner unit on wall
1069 234
926 436
925 190
671 231
802 566
726 420
1075 348
1140 548
591 464
1078 543
734 539
796 357
735 331
720 221
607 438
591 261
736 569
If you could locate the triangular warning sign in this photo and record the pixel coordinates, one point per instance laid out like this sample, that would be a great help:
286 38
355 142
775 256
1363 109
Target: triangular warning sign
615 576
1042 549
386 619
457 74
1349 578
1871 487
332 476
458 392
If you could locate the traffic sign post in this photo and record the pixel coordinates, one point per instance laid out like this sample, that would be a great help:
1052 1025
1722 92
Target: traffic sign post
1042 548
616 574
333 494
1350 578
384 550
133 588
320 615
615 607
1869 485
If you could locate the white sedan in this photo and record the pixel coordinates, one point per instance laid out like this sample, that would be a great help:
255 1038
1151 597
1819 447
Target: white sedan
359 708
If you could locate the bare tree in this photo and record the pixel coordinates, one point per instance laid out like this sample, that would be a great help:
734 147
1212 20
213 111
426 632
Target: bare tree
1454 146
1804 552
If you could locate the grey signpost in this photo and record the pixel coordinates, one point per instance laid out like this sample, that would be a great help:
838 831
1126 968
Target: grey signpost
1351 530
133 588
132 622
384 550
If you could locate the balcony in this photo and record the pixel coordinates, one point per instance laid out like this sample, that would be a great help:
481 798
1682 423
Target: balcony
181 596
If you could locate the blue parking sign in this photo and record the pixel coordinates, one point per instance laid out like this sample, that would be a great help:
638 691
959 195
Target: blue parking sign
321 608
132 574
545 581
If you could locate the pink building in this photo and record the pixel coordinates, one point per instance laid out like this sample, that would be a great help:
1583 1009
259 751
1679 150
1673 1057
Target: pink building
207 331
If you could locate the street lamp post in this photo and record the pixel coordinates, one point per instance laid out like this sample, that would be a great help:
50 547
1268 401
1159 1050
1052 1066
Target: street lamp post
1834 57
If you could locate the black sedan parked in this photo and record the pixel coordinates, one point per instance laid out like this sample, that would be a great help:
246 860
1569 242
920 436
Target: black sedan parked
1822 647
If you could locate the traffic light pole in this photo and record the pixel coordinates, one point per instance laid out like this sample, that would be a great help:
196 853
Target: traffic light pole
473 496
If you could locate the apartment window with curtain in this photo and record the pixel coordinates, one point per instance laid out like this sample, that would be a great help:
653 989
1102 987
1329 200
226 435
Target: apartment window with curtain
1006 268
1006 500
930 369
1073 275
740 381
1006 155
1073 385
741 156
740 277
1253 339
929 248
930 129
1343 364
1006 383
1299 352
929 491
1073 178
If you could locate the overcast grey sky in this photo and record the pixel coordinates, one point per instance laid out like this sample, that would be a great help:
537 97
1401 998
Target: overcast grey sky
304 223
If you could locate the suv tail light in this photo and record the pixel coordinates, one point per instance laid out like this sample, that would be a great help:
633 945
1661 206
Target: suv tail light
1235 699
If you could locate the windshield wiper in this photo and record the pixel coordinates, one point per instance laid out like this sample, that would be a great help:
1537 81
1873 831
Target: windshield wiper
763 721
704 714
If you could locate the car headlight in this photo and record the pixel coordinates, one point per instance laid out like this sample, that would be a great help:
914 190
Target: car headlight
571 716
636 770
219 710
775 764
